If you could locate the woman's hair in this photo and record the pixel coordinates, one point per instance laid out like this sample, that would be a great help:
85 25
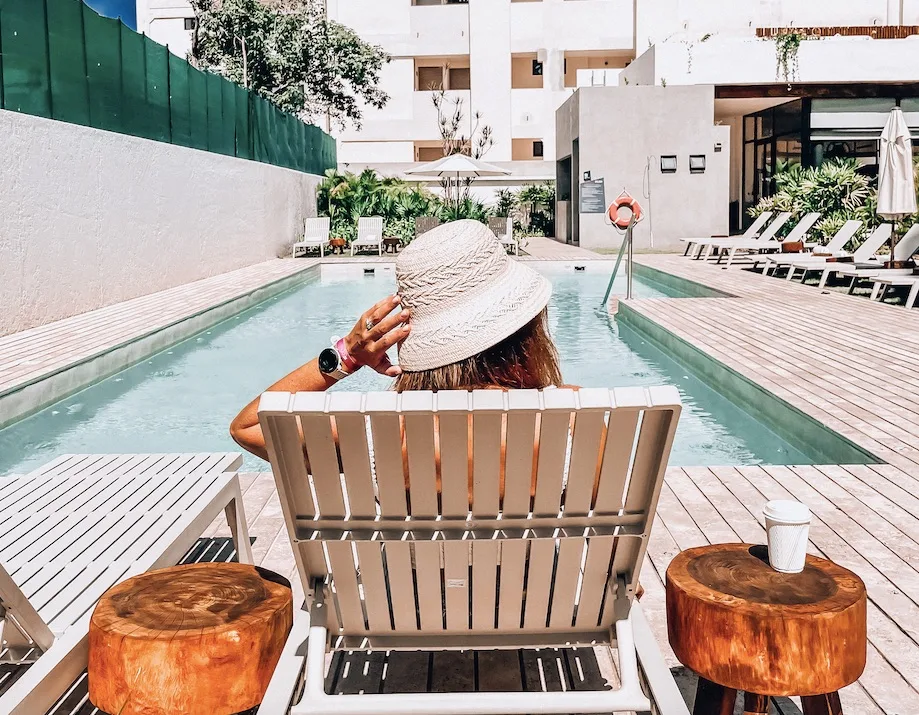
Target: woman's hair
526 359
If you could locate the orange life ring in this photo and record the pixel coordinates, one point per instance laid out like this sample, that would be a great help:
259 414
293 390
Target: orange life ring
624 201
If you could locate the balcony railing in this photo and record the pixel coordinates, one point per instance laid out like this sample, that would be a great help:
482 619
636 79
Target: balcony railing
878 32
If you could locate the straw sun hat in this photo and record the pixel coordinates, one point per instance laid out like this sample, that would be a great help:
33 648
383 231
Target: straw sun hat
465 294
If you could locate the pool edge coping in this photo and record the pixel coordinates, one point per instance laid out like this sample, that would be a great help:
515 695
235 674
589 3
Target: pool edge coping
170 334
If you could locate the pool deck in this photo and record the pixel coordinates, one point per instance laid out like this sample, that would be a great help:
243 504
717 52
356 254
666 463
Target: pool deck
847 362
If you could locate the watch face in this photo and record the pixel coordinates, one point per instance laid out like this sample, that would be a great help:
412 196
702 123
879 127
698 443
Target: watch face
329 360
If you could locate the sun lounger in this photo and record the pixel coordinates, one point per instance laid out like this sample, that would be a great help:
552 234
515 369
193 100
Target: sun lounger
432 561
874 268
315 235
752 232
756 246
885 282
835 247
74 528
369 234
503 228
423 224
863 256
712 244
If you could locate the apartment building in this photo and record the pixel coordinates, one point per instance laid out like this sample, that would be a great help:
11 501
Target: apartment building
514 63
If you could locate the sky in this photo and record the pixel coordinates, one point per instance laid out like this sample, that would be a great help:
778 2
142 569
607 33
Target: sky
125 9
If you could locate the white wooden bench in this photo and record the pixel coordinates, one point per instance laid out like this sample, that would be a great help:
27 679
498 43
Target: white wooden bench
74 528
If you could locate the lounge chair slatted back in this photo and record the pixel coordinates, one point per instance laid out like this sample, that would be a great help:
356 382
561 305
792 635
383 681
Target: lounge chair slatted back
842 237
369 233
423 224
754 228
907 245
317 228
871 245
503 228
799 232
437 524
773 228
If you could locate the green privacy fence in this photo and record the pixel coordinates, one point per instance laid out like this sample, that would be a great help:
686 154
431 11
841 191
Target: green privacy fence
61 60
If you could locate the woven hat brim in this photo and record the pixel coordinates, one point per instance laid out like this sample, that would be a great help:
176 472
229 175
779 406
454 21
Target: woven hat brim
472 326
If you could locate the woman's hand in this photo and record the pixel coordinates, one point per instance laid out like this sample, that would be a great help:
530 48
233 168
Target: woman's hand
376 332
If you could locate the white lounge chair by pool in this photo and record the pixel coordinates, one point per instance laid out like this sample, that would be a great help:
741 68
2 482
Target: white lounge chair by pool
74 528
862 257
369 234
835 247
506 567
884 283
503 228
315 235
874 268
752 231
768 234
756 246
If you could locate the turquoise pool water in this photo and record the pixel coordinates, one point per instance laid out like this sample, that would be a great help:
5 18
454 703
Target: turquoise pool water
182 400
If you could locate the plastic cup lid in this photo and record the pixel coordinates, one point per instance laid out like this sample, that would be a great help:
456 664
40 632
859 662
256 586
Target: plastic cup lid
787 510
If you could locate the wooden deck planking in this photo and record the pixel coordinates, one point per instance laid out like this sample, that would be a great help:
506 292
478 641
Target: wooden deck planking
865 518
31 354
844 360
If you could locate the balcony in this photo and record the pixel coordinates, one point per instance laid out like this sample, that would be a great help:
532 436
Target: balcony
752 61
439 30
581 25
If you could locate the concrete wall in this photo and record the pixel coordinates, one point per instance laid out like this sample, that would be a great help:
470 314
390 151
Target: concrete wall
753 61
622 133
92 218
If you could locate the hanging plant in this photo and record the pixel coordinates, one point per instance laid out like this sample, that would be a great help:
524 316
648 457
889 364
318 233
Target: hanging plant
786 55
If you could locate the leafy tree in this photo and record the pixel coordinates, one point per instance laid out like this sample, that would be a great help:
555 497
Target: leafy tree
451 116
291 54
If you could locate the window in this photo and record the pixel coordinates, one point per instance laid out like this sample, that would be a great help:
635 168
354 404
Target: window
429 153
430 78
191 23
537 68
459 78
538 150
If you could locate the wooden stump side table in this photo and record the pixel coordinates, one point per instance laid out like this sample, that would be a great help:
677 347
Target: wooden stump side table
201 639
740 625
392 244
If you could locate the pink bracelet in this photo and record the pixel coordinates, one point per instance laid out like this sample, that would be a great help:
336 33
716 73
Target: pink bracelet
351 365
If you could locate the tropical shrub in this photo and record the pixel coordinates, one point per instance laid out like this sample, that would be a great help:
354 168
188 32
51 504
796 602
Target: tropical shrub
835 189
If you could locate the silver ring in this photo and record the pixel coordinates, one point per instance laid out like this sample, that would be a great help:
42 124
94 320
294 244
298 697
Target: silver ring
368 324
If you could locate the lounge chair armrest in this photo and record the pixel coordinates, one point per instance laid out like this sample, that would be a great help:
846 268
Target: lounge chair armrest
289 672
664 691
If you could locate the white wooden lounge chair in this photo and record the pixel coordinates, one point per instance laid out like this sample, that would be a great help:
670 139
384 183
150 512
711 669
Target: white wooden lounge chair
863 256
836 247
752 232
74 528
906 247
712 244
436 559
503 228
369 234
757 246
884 283
315 235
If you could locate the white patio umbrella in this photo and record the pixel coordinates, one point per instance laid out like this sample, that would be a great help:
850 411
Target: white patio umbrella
456 167
896 186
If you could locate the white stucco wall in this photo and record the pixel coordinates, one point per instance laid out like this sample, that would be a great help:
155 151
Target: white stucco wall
622 133
91 218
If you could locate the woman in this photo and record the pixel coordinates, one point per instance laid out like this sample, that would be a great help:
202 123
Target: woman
465 317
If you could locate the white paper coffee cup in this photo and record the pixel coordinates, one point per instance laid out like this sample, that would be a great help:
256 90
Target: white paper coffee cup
787 524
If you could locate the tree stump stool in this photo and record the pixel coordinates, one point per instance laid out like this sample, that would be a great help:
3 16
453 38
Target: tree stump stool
740 625
201 639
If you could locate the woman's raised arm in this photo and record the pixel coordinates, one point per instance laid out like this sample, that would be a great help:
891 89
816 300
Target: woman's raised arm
377 330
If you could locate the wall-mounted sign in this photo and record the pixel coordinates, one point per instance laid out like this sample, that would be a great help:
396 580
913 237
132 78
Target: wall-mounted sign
593 197
586 176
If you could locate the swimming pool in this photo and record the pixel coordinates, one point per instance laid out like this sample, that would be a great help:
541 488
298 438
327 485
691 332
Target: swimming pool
182 399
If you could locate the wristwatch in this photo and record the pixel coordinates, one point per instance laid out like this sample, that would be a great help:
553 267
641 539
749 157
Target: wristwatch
335 364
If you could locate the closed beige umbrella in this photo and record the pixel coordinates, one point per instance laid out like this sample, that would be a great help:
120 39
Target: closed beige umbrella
896 185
